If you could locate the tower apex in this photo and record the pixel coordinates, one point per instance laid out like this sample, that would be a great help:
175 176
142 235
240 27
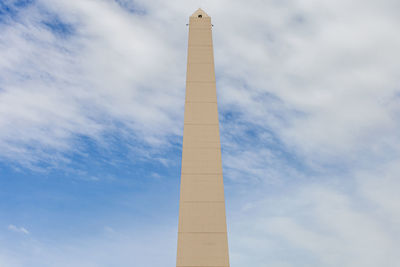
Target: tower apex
199 13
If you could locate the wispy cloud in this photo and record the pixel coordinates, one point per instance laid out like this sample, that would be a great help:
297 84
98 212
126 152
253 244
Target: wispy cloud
327 224
17 229
91 84
127 247
313 77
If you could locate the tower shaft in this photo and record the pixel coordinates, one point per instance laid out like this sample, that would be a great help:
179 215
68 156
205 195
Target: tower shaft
202 234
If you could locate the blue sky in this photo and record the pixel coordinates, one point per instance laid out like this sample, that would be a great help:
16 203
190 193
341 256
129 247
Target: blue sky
91 120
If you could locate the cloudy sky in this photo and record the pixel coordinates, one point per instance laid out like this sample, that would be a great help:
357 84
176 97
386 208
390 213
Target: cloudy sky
91 120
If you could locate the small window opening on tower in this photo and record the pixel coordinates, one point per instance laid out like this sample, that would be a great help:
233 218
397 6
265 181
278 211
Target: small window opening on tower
200 16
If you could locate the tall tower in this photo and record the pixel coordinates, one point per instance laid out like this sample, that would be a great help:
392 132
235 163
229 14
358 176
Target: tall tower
202 234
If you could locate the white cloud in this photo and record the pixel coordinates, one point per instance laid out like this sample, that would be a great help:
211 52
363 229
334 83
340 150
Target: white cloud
321 224
17 229
110 75
148 246
335 71
321 76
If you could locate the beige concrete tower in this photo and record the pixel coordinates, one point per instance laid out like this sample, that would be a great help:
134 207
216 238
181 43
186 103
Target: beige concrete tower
202 235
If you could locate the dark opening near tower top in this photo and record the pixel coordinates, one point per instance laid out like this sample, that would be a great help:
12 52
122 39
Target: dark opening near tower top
200 16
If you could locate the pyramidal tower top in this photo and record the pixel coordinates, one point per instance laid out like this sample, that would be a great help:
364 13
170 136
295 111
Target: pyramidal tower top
199 19
199 13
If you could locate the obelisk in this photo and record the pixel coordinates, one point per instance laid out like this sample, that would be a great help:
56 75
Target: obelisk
202 234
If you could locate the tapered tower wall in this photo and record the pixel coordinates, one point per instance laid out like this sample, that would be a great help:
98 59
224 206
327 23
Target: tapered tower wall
202 234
